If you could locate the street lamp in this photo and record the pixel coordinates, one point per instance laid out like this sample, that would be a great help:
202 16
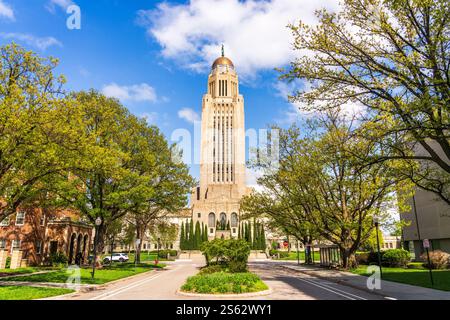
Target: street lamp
98 222
159 239
376 222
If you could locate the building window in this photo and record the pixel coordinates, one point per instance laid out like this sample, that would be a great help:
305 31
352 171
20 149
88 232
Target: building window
211 220
2 244
38 247
234 230
199 215
234 220
5 222
20 218
42 222
15 245
211 230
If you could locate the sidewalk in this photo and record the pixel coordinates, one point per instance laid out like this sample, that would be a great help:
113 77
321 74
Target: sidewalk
389 289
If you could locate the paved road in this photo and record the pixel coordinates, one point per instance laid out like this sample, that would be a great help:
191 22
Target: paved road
291 285
162 285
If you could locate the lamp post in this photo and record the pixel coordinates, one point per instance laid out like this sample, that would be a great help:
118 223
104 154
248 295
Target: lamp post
98 222
376 222
159 239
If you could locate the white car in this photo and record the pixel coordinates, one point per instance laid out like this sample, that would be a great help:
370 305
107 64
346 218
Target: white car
120 257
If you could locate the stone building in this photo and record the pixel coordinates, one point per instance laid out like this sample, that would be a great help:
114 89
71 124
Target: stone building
215 201
36 233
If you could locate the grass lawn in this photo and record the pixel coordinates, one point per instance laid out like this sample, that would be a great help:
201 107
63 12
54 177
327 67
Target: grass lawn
103 275
29 293
293 256
416 277
224 282
8 272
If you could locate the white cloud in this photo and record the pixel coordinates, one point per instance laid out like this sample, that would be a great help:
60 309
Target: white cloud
41 43
6 11
254 32
150 117
63 4
189 115
138 92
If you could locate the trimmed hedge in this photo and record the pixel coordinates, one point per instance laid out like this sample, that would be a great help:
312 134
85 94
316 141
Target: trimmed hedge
283 254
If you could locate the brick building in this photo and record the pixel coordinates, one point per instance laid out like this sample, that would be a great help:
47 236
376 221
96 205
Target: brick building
38 233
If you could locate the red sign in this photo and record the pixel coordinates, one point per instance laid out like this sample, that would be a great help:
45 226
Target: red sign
286 244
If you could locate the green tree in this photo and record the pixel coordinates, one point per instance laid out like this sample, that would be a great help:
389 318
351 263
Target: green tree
205 233
191 235
197 236
36 141
182 237
320 185
371 243
390 57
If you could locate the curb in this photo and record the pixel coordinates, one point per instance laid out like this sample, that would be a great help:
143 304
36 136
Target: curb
227 295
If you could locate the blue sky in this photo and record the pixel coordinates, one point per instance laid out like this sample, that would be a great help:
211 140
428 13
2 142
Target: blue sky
155 56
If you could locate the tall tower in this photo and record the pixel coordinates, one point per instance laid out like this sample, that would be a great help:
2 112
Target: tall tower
215 202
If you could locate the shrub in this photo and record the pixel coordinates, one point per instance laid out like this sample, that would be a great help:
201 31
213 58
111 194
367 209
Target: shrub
438 259
232 252
211 269
283 254
58 258
163 253
372 257
362 257
8 262
222 282
396 258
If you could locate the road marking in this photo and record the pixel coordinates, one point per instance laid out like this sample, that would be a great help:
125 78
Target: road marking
115 292
333 290
390 298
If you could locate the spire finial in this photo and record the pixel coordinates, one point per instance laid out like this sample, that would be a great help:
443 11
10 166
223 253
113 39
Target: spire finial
223 51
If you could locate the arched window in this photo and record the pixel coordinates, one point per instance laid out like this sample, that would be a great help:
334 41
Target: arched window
234 220
211 220
223 220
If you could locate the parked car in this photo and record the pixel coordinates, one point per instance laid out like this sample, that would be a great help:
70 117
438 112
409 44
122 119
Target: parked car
120 257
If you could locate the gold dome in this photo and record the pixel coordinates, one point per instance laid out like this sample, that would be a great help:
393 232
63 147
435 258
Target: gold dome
222 61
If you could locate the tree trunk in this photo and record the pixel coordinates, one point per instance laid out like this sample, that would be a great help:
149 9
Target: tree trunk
348 258
101 229
139 233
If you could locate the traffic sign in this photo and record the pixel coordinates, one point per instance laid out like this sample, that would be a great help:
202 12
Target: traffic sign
426 243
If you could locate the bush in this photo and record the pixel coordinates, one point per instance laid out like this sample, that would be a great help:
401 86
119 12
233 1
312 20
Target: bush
163 253
211 269
58 258
222 282
362 257
231 252
396 258
283 254
438 259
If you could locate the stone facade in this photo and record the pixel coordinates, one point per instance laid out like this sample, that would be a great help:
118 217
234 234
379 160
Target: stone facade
215 202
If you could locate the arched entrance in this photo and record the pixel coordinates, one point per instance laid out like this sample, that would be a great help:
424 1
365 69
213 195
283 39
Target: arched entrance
71 247
85 248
